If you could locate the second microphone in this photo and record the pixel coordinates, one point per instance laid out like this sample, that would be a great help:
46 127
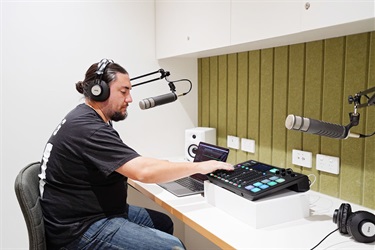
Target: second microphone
317 127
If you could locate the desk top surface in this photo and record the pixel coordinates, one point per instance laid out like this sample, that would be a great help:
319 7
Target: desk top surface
228 232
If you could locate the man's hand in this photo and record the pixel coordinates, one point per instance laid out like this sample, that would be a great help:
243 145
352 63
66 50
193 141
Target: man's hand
206 167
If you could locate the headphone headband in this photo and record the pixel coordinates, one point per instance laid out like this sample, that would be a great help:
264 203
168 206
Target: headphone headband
102 65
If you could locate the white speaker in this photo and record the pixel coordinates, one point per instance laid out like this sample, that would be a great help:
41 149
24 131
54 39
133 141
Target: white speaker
195 135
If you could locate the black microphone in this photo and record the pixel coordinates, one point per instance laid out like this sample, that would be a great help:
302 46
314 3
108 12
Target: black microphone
157 100
318 127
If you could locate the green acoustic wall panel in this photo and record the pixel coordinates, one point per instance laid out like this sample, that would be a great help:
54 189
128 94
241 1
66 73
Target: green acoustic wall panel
280 92
214 91
254 99
242 100
313 93
232 101
249 95
205 94
295 97
222 101
332 102
266 101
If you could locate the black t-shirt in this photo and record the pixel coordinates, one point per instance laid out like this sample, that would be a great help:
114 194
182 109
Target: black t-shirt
79 184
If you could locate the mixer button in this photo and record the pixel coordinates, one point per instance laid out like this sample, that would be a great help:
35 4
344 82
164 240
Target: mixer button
249 187
280 180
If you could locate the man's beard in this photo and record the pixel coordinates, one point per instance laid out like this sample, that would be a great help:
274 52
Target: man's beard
118 116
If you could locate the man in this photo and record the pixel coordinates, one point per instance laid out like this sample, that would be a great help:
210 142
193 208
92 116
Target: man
84 171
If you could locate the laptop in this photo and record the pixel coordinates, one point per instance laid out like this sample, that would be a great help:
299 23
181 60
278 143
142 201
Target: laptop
193 184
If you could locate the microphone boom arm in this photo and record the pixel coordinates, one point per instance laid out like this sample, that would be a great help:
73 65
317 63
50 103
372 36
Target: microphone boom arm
356 99
163 74
159 100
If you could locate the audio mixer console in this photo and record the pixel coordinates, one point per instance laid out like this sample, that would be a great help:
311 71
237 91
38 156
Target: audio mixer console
254 180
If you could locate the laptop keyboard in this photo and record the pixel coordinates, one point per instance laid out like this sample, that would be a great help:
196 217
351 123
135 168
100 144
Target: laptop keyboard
190 184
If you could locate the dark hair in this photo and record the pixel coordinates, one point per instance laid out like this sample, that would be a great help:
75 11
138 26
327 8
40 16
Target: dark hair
108 76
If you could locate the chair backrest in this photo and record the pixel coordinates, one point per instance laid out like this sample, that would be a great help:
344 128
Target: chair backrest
27 191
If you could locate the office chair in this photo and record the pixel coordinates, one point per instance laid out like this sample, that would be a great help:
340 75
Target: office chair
27 192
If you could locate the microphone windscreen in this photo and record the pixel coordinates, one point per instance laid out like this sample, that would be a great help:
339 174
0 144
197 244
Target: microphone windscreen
157 100
146 103
297 123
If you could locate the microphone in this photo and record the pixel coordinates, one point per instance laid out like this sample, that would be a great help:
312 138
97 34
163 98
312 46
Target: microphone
318 127
157 100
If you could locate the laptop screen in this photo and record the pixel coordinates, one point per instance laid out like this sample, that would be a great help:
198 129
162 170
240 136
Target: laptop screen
205 152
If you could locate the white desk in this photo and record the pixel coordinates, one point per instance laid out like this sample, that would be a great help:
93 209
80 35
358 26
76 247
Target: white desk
227 232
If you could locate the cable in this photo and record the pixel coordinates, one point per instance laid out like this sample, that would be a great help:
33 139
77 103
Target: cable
191 84
313 182
363 136
324 238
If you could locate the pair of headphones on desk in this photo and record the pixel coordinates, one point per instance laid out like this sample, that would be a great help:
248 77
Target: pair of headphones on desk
99 89
360 225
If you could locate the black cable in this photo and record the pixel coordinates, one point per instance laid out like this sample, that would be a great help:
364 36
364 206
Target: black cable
354 121
363 136
324 238
164 74
187 80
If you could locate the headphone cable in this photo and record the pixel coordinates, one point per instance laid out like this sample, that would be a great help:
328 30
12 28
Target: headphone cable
324 238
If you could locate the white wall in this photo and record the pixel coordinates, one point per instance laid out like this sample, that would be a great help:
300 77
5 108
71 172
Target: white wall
46 47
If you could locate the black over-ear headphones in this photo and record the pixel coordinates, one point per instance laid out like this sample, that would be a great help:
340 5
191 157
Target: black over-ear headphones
98 89
360 224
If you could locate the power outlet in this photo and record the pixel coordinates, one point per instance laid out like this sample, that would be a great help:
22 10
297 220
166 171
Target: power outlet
233 142
248 145
302 158
328 164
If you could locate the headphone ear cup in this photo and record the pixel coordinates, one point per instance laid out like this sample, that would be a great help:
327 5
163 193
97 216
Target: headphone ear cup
98 91
361 225
341 216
